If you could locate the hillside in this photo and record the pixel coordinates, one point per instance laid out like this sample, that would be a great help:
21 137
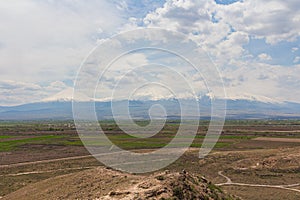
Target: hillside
236 109
101 183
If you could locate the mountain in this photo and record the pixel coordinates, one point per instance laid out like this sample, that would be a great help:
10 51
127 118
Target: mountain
236 109
38 111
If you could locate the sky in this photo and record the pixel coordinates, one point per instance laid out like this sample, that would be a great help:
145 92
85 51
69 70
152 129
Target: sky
255 44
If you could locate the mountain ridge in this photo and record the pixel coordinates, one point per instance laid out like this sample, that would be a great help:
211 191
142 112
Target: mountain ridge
236 109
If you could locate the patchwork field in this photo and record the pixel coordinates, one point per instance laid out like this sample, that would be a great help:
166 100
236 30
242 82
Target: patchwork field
252 159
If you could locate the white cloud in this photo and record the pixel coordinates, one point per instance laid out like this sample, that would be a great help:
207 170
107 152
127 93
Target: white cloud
210 23
224 30
47 40
294 49
11 85
273 20
42 43
264 57
231 48
297 59
264 80
16 92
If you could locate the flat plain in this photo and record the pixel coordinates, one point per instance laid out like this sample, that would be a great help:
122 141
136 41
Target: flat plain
253 159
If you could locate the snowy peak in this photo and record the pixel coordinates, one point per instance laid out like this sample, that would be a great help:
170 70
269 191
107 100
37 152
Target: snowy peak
67 95
252 97
61 108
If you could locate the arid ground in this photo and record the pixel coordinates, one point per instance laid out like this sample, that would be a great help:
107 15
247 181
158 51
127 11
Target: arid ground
254 159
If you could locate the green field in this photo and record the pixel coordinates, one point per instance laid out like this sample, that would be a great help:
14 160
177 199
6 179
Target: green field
57 133
64 133
15 143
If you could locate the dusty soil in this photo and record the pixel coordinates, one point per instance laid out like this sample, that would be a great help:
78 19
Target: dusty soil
266 166
34 152
102 183
263 128
261 193
261 144
270 159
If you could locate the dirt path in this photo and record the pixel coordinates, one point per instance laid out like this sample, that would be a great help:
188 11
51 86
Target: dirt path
55 160
81 157
44 161
272 139
268 130
229 182
47 171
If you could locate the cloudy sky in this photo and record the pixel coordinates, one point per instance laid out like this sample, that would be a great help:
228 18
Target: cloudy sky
255 44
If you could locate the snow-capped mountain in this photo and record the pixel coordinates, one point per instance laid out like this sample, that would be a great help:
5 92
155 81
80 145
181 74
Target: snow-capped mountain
252 97
67 95
59 107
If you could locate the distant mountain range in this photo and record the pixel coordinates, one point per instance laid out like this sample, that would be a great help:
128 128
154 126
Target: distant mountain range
236 109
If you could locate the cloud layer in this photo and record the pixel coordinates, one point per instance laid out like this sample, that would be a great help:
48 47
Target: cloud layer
224 31
254 43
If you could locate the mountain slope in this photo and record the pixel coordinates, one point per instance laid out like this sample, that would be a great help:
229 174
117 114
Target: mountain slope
236 109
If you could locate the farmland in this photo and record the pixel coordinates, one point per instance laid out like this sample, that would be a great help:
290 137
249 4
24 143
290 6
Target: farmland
258 152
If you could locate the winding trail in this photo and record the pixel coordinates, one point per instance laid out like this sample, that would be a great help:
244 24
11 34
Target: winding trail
285 187
44 161
57 159
47 171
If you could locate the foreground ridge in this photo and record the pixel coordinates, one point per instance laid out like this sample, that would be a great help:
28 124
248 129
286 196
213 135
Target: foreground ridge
102 183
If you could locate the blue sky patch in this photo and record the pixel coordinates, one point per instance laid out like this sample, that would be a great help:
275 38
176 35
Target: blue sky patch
226 2
281 53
